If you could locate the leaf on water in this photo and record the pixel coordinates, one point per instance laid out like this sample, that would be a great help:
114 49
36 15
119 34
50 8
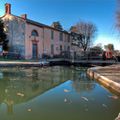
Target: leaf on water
13 79
105 106
72 71
29 110
84 98
68 101
6 90
114 97
86 109
65 90
65 100
20 94
29 75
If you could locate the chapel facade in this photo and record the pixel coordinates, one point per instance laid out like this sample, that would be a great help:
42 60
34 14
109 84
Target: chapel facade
32 39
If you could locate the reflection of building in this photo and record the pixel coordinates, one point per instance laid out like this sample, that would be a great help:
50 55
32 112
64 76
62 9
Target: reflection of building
32 39
22 85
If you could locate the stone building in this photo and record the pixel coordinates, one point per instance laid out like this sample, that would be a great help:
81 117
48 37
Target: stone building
31 39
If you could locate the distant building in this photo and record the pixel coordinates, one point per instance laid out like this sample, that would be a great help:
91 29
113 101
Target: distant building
31 39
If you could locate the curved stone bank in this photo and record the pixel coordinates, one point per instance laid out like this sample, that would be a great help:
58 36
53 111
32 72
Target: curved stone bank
108 76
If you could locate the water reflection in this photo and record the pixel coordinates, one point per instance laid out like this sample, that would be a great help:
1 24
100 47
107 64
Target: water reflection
21 85
53 93
81 82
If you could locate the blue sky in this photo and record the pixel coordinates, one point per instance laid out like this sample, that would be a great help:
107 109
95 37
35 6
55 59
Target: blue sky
68 12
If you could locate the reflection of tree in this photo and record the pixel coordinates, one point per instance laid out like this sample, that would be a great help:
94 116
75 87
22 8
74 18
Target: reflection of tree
9 104
81 82
5 96
35 79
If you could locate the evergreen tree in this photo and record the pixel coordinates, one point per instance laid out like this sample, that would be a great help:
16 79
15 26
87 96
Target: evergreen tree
3 36
57 25
109 47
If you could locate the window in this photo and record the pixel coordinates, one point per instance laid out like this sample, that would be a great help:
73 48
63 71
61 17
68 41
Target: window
68 49
68 38
64 47
61 36
52 34
60 48
34 33
52 49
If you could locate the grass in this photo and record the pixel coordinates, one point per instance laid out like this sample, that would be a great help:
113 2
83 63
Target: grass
7 59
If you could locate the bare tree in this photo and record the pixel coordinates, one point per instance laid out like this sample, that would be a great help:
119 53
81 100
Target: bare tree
83 34
118 15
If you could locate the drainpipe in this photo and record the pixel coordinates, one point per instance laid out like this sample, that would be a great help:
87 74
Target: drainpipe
43 41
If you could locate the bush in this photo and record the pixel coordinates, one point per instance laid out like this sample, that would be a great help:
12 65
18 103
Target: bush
45 56
12 55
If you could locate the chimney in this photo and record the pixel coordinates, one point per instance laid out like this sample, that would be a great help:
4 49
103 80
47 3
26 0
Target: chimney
7 8
24 16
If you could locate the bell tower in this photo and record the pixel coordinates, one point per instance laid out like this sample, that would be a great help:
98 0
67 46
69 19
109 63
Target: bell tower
7 8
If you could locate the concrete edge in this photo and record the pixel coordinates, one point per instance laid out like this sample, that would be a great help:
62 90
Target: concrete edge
22 64
107 83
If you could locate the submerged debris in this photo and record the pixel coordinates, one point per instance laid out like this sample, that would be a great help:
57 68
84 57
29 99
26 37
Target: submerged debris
84 98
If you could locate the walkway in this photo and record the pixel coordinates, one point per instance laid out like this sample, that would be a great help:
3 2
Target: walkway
108 76
22 64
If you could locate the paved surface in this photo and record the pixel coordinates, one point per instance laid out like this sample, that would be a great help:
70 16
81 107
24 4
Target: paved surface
108 76
21 64
110 72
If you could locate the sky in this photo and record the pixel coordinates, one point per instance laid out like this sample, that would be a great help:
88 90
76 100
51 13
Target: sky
100 12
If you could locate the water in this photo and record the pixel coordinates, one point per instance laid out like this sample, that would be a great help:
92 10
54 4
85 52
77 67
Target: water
54 93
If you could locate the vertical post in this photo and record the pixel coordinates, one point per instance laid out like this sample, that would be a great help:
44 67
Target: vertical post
43 42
